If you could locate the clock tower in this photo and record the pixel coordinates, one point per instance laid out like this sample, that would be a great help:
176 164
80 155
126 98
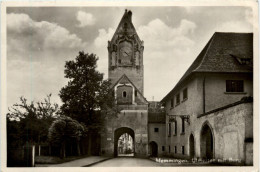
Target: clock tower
125 70
125 53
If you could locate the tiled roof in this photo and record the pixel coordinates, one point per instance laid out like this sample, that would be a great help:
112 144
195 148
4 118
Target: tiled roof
223 53
154 117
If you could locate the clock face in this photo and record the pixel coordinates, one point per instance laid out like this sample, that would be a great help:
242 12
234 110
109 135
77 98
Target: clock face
126 53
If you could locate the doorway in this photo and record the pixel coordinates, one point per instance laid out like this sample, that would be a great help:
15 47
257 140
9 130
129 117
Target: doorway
192 146
206 142
153 149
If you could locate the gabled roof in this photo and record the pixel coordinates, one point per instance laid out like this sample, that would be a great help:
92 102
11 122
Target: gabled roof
223 53
125 79
127 18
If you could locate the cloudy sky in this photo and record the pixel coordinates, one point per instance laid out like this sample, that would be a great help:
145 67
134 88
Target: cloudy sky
40 40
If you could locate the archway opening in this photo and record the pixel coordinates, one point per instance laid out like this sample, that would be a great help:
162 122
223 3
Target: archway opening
206 142
192 146
153 149
124 142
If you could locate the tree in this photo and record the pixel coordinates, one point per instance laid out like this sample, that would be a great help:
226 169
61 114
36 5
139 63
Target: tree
64 129
86 96
32 120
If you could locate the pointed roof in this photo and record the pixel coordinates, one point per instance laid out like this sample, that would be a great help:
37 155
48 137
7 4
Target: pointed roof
127 18
125 79
225 52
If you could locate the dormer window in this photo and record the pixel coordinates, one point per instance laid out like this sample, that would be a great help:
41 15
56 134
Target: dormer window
242 60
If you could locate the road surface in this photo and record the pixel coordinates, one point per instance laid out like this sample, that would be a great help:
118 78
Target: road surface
127 162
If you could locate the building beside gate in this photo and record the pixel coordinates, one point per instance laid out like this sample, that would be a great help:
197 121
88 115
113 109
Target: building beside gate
209 113
156 129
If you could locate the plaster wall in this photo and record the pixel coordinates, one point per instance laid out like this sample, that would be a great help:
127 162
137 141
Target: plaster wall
158 137
215 90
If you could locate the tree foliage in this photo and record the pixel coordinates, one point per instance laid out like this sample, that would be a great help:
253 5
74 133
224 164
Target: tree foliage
65 129
32 120
86 95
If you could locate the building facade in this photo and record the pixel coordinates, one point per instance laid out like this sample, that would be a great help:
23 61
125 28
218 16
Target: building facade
209 111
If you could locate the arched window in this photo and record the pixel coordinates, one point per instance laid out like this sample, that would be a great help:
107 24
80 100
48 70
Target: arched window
124 93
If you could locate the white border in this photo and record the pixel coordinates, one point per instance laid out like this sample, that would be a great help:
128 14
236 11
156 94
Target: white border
249 3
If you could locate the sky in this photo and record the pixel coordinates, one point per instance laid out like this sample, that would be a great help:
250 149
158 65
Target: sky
41 39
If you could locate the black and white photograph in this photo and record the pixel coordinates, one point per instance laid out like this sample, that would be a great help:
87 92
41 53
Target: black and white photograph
129 86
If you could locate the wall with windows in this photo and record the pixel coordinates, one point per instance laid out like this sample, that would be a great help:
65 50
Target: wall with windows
156 133
219 90
191 100
183 102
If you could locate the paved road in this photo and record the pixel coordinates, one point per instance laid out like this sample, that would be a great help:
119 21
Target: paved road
76 163
127 162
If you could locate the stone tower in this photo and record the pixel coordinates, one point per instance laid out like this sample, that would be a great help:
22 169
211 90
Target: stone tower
125 53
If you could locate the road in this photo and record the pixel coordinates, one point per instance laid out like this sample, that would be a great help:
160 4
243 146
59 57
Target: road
127 162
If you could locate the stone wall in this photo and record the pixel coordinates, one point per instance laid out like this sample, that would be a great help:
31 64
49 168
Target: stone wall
136 120
232 130
229 129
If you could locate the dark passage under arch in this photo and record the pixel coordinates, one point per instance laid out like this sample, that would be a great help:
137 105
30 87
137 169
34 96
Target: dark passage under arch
123 131
192 146
206 142
153 149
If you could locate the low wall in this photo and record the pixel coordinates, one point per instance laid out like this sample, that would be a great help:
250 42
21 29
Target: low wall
230 129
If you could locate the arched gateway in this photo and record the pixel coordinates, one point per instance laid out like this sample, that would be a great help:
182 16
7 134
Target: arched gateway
124 141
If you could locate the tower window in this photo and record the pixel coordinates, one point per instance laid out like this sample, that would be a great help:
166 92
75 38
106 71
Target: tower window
156 130
135 93
175 149
119 61
124 94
